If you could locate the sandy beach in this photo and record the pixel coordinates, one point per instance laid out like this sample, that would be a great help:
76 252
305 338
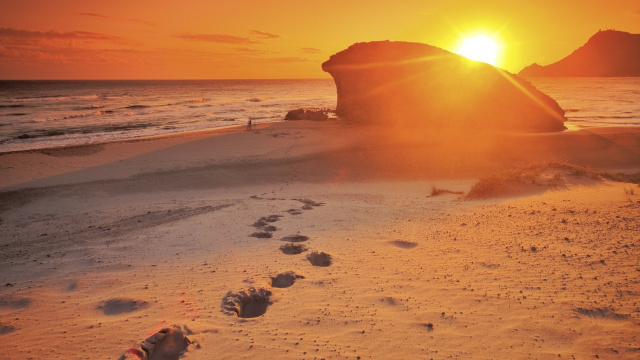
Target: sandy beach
104 245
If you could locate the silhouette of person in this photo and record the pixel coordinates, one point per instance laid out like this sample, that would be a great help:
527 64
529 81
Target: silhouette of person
249 125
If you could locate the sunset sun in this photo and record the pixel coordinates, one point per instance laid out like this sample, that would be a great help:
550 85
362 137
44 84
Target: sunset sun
479 48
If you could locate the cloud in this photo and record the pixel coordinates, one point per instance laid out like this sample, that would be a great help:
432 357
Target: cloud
28 37
144 22
291 59
218 38
265 35
309 50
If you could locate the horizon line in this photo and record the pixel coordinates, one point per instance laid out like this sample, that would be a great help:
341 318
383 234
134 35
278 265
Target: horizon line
156 79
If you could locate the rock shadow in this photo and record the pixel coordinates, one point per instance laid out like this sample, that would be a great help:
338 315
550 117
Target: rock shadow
403 244
285 280
319 259
246 304
119 306
293 249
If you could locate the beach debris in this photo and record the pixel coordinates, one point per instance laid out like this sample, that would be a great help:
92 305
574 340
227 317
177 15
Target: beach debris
319 259
293 249
284 280
246 304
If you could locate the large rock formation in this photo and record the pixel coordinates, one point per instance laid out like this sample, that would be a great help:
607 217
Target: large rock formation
420 85
607 53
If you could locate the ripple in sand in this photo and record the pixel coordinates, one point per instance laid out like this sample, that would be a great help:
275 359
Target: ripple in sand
319 259
285 280
403 244
246 304
119 306
293 249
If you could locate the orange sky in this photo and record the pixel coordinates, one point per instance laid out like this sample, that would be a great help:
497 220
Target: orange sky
197 39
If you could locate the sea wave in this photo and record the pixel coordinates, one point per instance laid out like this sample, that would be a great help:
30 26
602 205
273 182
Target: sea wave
56 98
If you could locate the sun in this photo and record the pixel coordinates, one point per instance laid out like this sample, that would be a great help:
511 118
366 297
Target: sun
479 48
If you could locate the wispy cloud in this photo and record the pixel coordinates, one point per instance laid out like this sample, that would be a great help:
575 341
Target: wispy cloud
218 38
310 50
144 22
28 37
291 59
264 34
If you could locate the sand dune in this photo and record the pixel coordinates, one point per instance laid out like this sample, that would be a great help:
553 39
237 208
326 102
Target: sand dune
362 261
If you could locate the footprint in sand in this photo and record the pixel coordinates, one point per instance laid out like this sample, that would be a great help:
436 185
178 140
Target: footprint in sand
265 220
293 249
319 259
295 238
246 304
309 204
603 313
285 280
6 329
119 306
262 235
166 344
15 303
403 244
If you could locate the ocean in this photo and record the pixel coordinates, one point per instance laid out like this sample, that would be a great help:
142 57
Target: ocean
44 114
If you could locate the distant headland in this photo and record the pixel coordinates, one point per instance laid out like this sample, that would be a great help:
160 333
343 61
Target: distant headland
607 53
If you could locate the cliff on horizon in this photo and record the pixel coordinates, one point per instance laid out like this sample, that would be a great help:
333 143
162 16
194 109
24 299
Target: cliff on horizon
607 53
421 86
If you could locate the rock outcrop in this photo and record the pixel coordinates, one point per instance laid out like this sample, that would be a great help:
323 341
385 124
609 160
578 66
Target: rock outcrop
414 84
607 53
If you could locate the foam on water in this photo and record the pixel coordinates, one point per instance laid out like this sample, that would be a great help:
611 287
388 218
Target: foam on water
40 114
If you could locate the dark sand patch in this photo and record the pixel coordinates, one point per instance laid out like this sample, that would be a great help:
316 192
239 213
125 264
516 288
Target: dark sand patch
119 306
293 249
295 238
15 303
71 286
6 329
319 259
403 244
166 344
603 313
246 304
262 235
294 211
269 228
285 280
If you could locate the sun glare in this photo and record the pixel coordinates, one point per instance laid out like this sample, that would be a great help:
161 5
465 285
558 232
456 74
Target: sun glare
479 48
